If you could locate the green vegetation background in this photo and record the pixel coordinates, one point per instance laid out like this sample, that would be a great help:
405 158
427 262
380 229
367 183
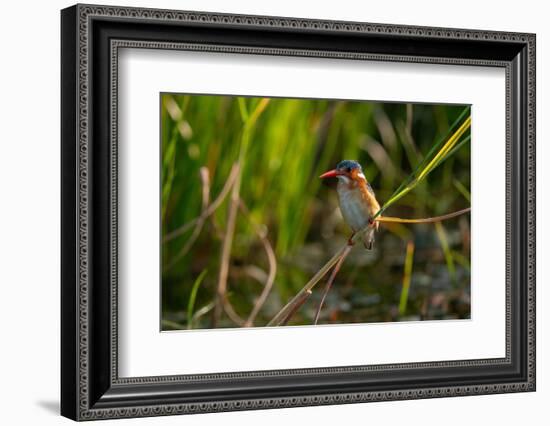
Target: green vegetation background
292 142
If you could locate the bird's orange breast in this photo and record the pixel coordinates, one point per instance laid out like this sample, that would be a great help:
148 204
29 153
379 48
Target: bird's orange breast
370 199
357 203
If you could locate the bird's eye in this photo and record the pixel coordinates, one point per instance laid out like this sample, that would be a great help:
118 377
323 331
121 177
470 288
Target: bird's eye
348 169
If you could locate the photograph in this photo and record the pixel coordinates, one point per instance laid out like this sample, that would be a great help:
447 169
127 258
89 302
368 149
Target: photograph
267 209
312 212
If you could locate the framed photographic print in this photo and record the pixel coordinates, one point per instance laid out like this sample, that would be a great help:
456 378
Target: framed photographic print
263 212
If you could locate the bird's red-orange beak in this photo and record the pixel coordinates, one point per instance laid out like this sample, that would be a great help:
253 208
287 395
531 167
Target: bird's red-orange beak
330 173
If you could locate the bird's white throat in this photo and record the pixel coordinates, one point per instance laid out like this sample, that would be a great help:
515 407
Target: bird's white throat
344 179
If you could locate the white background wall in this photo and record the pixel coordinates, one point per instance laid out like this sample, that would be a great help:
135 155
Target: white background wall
29 212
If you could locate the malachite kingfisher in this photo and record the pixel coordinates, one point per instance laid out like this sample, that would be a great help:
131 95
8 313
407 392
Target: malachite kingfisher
358 203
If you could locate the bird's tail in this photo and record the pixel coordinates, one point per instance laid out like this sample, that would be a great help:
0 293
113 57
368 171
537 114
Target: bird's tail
368 239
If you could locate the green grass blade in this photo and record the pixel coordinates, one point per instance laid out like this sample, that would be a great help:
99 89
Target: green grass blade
447 147
407 273
457 147
462 189
461 259
192 298
442 235
169 170
242 109
432 150
432 163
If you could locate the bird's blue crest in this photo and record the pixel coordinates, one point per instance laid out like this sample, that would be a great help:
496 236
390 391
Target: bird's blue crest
348 164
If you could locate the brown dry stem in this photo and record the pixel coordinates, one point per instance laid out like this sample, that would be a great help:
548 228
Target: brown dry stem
285 313
330 281
272 260
226 248
205 182
211 208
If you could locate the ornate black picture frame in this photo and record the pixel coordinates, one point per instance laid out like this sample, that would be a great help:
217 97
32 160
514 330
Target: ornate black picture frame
91 36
